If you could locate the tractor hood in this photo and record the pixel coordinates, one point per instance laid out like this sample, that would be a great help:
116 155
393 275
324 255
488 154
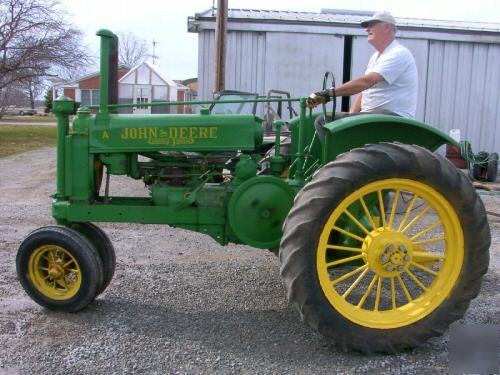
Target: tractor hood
141 133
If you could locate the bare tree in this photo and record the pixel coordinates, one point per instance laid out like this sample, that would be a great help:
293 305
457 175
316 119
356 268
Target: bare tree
10 96
132 50
35 41
34 87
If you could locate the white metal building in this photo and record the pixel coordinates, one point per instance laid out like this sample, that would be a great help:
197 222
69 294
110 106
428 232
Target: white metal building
458 62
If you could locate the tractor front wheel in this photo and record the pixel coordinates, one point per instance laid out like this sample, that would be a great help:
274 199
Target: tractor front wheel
59 268
104 247
384 248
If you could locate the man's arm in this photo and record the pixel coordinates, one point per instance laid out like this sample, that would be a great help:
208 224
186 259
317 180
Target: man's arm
357 85
354 86
356 105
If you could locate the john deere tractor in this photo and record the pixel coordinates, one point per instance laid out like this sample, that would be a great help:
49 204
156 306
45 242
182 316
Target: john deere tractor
382 242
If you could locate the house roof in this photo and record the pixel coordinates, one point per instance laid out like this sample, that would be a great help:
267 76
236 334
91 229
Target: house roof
341 17
74 82
180 86
155 69
189 80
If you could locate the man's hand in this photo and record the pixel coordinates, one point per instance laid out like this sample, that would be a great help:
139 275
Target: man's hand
318 98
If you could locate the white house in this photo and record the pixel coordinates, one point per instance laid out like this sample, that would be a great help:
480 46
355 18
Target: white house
145 83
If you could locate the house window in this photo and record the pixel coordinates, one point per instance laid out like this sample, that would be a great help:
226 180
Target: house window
90 97
142 97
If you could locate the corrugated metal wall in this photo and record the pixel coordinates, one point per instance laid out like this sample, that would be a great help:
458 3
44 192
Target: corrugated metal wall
245 62
258 62
206 56
459 82
463 91
246 52
297 62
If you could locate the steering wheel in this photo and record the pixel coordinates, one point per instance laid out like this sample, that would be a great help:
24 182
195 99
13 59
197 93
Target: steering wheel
334 99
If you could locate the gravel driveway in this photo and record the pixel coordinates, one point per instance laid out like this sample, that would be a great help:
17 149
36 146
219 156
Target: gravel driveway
179 302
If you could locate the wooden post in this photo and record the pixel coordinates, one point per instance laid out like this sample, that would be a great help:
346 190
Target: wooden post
220 45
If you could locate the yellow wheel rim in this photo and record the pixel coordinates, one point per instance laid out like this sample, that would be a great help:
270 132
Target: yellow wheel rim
54 272
388 267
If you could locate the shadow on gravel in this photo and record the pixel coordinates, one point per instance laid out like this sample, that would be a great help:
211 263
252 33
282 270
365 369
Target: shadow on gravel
235 330
268 333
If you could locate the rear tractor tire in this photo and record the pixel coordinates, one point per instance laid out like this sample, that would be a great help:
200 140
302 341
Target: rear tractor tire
59 268
384 248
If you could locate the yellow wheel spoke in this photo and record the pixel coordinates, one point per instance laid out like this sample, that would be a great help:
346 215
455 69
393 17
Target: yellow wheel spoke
423 268
367 213
408 211
367 293
428 229
430 240
68 263
377 296
423 256
393 209
416 218
46 258
344 260
361 226
52 255
347 275
407 293
348 233
346 248
43 268
419 283
62 283
46 277
74 271
393 294
382 209
355 283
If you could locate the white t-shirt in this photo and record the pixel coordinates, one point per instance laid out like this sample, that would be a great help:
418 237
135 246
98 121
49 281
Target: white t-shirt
398 91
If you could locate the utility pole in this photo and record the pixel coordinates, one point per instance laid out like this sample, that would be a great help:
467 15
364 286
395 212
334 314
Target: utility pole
220 45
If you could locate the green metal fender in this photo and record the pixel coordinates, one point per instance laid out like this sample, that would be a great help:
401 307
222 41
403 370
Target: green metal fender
356 131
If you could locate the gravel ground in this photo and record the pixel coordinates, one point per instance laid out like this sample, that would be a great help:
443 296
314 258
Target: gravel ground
179 303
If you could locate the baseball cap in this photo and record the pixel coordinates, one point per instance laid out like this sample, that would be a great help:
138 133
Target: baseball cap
379 17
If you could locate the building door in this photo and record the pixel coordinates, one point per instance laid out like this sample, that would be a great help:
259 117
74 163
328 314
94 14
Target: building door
142 94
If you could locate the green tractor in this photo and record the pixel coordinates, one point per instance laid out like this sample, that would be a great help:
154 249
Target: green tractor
382 242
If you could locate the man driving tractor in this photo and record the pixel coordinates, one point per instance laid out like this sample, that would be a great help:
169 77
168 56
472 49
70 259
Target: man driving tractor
389 85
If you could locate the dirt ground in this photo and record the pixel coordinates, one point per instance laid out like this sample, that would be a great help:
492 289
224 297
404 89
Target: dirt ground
180 303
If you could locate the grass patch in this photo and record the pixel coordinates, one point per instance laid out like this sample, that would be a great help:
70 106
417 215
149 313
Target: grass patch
15 139
16 119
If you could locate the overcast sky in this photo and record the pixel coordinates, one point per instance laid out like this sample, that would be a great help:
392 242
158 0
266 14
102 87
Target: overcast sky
166 21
